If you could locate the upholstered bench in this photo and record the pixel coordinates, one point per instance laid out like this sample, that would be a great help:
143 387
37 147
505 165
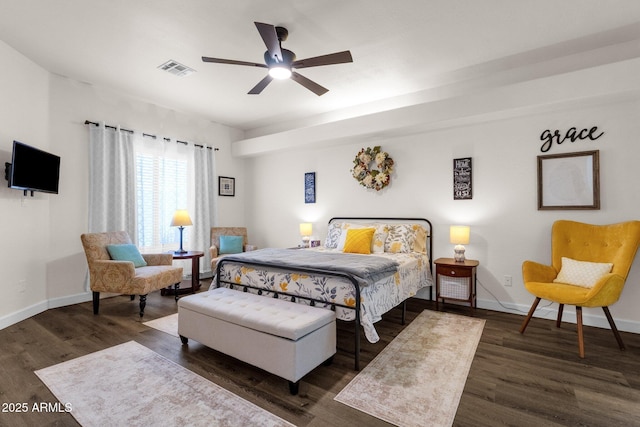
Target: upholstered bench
284 338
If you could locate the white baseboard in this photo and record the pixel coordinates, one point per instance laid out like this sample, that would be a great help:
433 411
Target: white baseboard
590 316
546 310
38 308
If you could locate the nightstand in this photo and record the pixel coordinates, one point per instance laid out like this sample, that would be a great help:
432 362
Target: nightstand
456 280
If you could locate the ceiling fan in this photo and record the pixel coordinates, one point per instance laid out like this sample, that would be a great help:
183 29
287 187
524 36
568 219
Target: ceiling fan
282 62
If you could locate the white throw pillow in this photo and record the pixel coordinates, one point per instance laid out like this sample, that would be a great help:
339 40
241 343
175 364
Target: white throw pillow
582 273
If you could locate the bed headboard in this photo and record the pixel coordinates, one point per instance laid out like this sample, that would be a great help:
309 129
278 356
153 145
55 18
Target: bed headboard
393 220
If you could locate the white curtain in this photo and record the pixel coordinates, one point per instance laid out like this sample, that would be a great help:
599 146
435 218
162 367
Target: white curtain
111 181
204 214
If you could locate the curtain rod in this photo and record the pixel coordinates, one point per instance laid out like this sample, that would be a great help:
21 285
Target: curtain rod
87 122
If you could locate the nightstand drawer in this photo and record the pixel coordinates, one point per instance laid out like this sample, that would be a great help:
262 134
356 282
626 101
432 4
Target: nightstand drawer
447 270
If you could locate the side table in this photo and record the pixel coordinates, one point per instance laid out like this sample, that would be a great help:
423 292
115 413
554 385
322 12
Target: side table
194 256
456 280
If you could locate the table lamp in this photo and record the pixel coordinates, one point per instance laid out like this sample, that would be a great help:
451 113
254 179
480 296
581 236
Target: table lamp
459 236
305 231
181 219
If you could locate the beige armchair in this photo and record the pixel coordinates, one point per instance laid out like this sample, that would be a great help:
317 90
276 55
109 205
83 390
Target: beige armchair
107 275
216 232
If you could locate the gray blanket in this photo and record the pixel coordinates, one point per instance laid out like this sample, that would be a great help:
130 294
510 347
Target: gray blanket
365 269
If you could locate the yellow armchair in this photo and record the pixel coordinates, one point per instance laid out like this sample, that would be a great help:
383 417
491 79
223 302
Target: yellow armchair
216 232
616 244
121 277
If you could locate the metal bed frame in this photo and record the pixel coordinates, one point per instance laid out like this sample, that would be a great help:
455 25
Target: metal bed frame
322 272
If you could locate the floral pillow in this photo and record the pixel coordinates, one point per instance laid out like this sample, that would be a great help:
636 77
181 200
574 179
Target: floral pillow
333 235
400 239
420 243
379 238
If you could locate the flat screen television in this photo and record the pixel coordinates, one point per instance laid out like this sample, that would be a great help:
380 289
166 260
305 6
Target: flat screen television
32 169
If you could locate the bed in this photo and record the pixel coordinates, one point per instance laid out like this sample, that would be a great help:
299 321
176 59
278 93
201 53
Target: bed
358 287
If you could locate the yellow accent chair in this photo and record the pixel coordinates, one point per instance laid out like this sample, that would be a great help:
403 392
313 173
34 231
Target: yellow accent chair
122 277
217 250
592 246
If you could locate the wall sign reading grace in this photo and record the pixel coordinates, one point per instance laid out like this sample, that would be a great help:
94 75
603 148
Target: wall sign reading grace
548 138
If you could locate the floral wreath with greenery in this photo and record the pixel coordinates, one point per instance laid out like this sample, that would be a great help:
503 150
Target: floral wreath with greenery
375 178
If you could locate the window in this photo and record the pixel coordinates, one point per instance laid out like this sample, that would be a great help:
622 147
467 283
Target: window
161 189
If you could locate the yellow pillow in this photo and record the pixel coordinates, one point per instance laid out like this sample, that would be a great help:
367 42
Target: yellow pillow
359 240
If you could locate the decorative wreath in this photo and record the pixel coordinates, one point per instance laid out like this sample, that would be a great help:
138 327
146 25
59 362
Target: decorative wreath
375 178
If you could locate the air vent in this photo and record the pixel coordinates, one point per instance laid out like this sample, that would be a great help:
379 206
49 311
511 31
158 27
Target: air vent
176 68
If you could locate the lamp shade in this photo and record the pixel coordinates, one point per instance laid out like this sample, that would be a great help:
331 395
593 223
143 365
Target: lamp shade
459 234
181 218
306 229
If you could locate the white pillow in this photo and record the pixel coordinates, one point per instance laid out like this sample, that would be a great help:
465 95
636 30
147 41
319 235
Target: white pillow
582 273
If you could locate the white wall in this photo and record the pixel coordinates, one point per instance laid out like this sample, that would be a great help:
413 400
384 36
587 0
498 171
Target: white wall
506 227
41 248
25 249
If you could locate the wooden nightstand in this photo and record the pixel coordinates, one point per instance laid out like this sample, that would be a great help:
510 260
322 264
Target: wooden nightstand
456 280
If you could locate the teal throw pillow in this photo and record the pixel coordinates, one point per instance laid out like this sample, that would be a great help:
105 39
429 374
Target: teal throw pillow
231 244
126 252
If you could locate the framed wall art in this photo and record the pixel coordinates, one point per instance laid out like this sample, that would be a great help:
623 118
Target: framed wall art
310 187
226 186
569 181
462 182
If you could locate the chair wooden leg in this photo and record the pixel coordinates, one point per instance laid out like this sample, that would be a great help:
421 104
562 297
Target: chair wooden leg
143 303
613 327
559 320
531 311
580 335
96 302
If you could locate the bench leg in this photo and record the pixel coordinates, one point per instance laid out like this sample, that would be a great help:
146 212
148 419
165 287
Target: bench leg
184 340
294 387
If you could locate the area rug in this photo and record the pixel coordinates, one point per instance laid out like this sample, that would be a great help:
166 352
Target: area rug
419 377
167 324
131 385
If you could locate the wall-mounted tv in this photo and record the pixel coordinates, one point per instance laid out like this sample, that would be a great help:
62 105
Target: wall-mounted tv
32 169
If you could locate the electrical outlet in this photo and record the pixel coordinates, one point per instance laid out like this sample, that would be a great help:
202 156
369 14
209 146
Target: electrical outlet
507 280
22 286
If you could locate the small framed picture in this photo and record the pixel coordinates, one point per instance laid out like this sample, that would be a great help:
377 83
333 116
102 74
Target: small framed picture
569 181
310 187
226 186
462 179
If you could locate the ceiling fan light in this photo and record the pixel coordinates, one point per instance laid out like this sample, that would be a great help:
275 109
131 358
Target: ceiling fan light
280 72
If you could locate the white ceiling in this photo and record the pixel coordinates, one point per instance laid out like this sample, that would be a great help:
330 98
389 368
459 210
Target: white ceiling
399 48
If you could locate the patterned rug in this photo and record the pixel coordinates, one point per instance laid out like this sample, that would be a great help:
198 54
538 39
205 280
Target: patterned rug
418 378
130 385
166 324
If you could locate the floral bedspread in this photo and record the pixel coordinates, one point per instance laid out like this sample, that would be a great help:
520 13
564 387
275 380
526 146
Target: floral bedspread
376 299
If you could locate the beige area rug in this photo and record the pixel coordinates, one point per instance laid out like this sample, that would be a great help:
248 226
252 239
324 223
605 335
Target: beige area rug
417 380
130 385
167 324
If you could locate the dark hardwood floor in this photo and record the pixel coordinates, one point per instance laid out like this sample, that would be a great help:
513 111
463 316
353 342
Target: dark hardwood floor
535 379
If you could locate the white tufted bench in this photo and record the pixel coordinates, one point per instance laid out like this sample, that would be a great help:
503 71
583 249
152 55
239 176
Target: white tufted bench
284 338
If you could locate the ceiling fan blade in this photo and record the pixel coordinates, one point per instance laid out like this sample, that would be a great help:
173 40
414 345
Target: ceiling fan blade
311 85
330 59
270 38
261 85
232 62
